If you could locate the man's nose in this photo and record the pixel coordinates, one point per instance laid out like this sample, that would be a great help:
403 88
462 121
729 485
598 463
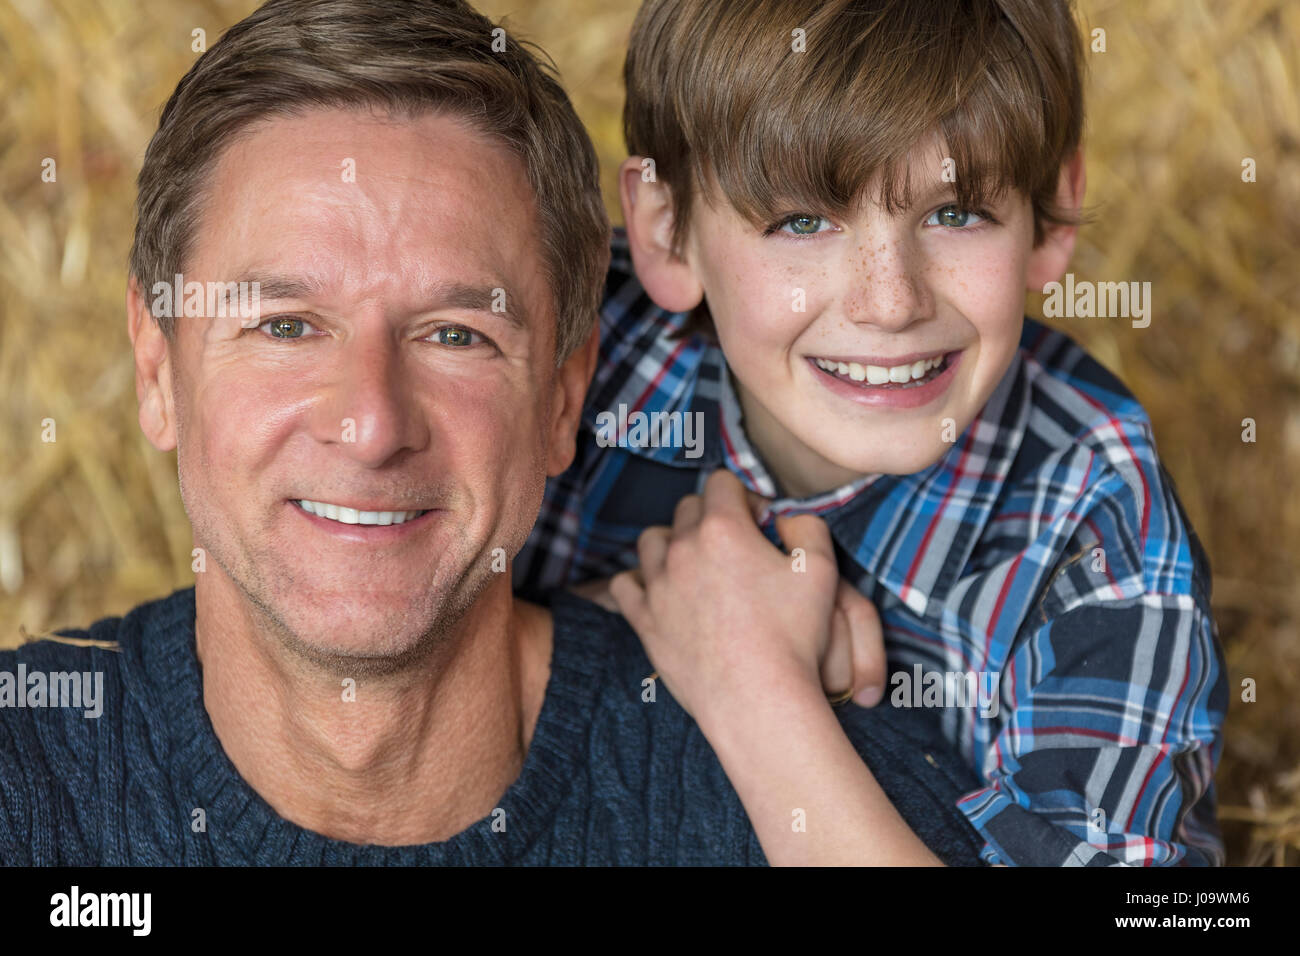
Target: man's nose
888 289
372 412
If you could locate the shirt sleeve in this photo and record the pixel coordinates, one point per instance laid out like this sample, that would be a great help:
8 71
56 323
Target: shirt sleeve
1116 692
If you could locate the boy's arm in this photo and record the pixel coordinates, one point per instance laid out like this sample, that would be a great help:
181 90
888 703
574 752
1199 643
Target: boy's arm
1113 696
736 629
1108 754
809 795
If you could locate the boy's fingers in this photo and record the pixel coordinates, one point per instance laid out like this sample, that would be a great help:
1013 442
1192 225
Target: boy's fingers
651 549
723 493
627 591
805 531
597 592
868 641
687 514
837 662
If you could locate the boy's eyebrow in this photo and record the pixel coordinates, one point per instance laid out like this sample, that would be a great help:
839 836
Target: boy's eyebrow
493 300
932 191
939 190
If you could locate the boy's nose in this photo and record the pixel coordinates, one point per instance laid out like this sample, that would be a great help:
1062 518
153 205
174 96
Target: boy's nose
887 289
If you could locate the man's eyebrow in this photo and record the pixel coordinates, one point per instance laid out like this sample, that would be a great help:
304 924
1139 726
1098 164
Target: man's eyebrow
480 298
275 286
458 295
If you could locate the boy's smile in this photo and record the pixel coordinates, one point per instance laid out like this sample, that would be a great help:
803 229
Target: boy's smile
901 382
860 345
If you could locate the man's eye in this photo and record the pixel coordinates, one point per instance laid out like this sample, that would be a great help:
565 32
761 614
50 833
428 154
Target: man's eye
286 327
954 217
801 225
455 336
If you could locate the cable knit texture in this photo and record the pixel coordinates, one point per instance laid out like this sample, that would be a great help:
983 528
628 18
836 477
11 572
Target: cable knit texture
608 780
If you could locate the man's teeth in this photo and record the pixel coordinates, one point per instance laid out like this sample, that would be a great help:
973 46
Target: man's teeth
879 374
353 516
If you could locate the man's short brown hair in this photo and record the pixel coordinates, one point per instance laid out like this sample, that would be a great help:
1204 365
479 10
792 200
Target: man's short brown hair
719 94
405 56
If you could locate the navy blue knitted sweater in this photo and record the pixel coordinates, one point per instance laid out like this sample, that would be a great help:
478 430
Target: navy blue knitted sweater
608 778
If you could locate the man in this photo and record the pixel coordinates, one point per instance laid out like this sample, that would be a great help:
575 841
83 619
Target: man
360 453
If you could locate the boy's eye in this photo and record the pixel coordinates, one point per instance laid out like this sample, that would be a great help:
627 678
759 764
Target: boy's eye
455 336
286 327
954 217
801 225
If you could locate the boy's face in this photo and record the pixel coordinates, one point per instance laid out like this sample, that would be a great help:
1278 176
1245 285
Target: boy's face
864 346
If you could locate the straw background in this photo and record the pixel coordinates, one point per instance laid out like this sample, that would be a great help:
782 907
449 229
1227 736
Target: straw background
91 524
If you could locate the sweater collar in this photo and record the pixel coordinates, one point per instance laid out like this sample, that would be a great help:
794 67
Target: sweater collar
242 827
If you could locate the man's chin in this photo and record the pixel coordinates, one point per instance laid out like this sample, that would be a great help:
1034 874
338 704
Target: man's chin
377 633
364 643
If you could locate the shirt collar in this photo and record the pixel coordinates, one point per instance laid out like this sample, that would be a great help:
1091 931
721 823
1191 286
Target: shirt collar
915 533
649 379
743 459
911 533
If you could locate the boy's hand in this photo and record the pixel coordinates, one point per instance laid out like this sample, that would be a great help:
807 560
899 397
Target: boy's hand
597 592
854 661
727 618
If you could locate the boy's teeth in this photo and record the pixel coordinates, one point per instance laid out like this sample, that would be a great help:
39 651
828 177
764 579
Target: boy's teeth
880 375
353 516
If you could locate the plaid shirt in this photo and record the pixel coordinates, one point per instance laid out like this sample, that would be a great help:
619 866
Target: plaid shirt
1046 551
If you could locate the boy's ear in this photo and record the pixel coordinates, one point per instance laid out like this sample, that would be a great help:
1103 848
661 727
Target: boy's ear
153 370
571 382
1048 260
648 212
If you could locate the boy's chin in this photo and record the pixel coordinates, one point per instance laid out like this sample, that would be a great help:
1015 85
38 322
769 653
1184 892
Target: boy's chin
891 456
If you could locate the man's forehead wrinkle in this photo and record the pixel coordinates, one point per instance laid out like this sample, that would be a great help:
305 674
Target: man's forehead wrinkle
412 230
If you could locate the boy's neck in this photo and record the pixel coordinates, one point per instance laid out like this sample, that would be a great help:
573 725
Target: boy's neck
799 472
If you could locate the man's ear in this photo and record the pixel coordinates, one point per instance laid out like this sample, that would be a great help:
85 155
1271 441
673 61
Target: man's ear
571 381
153 370
1049 258
648 212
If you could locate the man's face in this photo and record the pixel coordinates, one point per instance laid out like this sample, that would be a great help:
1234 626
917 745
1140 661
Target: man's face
814 315
403 368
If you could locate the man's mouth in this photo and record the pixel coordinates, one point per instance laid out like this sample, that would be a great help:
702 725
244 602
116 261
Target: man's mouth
345 515
903 375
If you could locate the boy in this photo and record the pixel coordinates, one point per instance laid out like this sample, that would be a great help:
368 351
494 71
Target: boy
833 212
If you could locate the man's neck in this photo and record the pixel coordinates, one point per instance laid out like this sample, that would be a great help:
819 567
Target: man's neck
416 757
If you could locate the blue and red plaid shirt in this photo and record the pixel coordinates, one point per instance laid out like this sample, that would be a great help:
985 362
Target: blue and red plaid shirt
1047 549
